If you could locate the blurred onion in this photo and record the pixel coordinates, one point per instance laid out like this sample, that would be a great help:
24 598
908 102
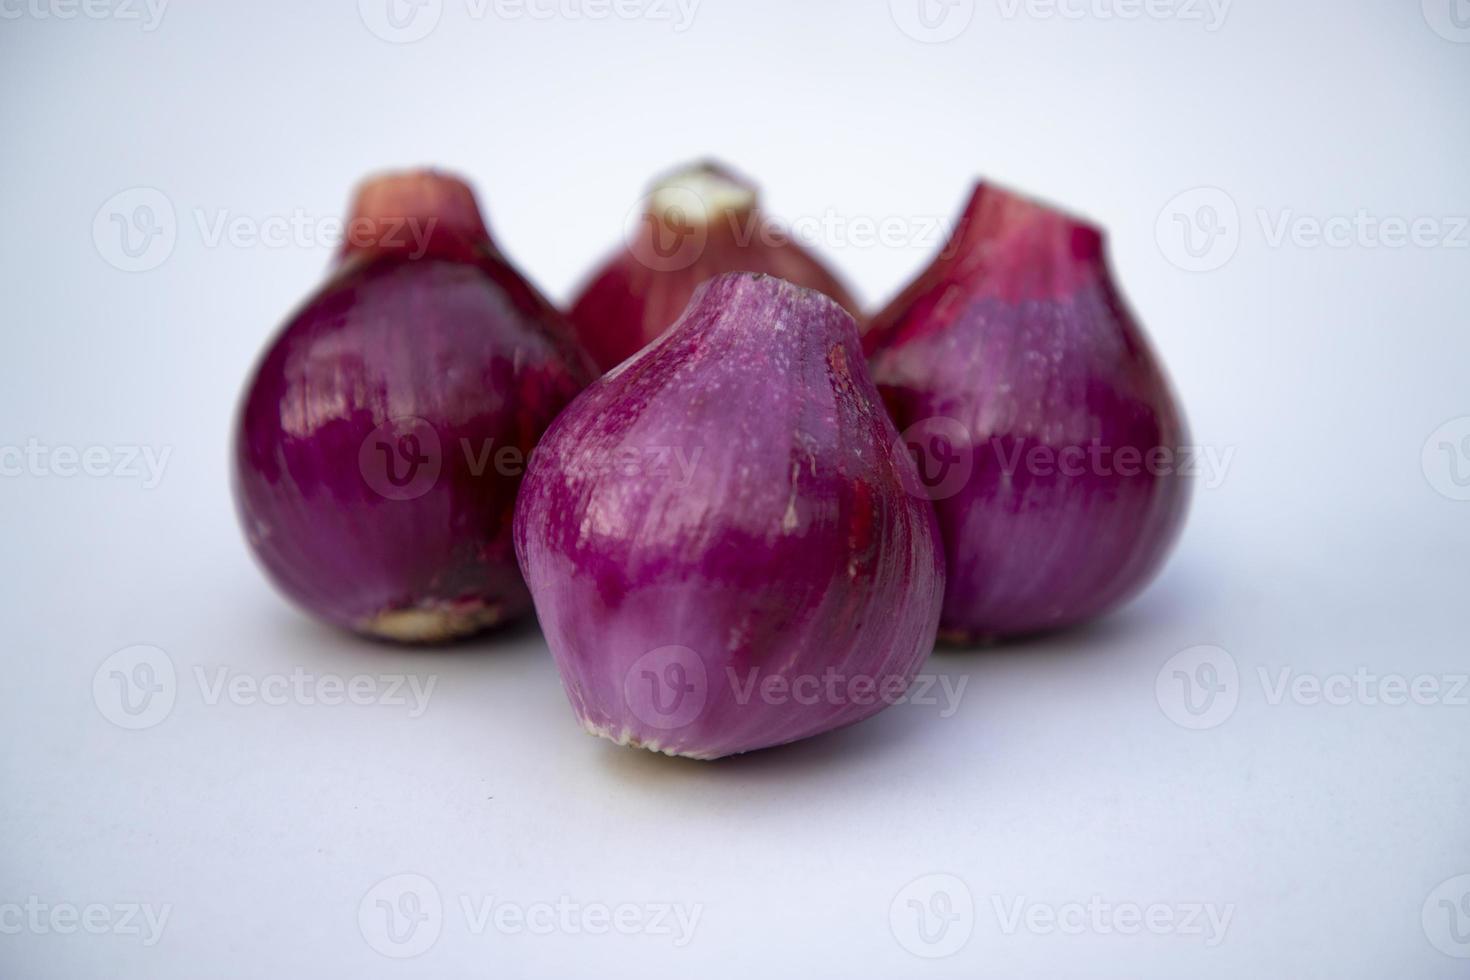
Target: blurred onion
1042 422
696 223
381 440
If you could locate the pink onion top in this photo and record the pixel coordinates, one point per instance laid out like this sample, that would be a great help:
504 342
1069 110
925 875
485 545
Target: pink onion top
697 223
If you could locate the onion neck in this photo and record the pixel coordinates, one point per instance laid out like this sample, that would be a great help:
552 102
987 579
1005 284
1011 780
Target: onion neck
702 195
410 212
1023 249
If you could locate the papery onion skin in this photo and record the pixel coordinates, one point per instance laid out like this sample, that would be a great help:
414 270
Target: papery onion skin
1017 333
779 542
365 467
699 222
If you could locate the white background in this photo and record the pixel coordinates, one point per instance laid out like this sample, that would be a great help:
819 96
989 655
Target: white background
1331 833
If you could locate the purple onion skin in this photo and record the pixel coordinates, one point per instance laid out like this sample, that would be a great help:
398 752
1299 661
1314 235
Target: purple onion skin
789 549
443 330
1017 334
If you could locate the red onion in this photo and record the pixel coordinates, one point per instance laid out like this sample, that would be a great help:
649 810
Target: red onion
698 223
1041 420
380 442
718 537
